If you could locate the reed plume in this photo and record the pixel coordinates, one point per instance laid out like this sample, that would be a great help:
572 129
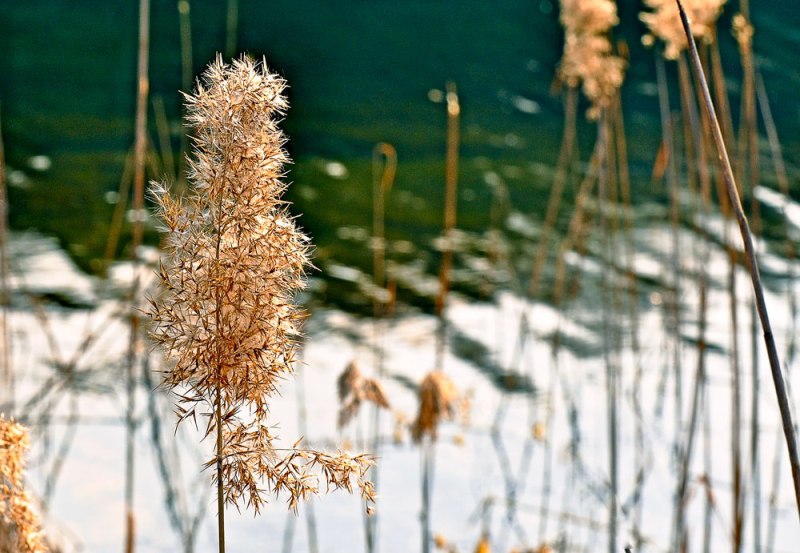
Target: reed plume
437 402
664 23
354 389
18 515
588 60
233 259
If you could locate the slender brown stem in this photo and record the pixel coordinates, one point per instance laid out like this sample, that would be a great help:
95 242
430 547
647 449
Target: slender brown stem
185 22
231 28
383 178
6 369
749 153
451 182
744 228
607 228
218 391
139 156
162 127
220 488
556 191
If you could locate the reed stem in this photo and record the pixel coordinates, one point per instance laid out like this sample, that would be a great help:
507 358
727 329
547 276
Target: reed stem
6 370
139 161
451 183
231 28
185 24
382 184
218 391
744 228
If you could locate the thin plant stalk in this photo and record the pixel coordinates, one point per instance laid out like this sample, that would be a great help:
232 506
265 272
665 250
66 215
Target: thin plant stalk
556 191
773 496
576 223
6 370
219 449
749 142
231 28
428 460
610 358
185 24
668 142
696 162
288 533
162 127
302 424
140 153
451 184
428 452
708 463
735 367
783 186
747 171
633 314
115 227
382 184
733 193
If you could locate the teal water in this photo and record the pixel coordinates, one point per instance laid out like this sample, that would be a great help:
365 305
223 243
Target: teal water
359 74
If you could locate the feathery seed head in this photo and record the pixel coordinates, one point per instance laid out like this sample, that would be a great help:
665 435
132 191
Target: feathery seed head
664 22
437 401
233 260
353 389
588 59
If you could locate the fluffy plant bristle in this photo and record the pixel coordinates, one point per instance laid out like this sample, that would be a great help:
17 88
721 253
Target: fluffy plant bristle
233 260
588 60
664 22
19 518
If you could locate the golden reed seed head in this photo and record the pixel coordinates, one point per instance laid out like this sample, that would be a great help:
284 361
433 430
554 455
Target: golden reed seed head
664 22
437 401
233 261
22 532
590 17
588 59
354 389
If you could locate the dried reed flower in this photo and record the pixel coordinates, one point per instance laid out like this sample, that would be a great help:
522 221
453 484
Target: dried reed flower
743 32
437 401
15 502
587 59
664 22
354 389
233 260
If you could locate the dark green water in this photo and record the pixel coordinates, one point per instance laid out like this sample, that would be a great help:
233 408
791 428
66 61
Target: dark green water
359 73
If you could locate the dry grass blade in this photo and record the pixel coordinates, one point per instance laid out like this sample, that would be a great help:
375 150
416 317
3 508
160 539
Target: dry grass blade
744 227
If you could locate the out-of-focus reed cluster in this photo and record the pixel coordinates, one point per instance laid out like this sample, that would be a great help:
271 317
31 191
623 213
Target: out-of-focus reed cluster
21 531
588 59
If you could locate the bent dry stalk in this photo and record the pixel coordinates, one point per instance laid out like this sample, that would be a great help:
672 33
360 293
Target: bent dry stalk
752 262
233 259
